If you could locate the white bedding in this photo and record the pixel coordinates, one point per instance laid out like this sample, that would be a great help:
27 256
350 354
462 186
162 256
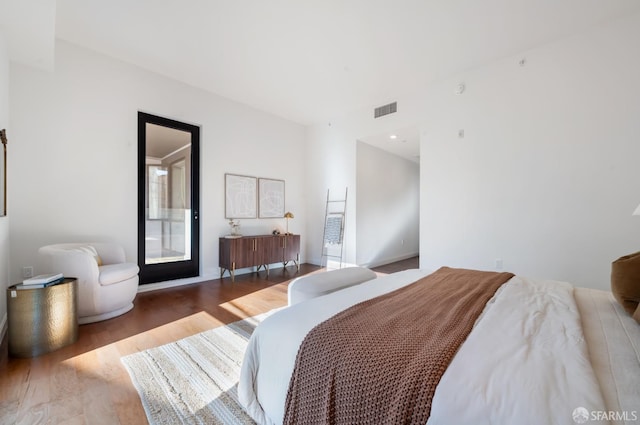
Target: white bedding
519 365
524 365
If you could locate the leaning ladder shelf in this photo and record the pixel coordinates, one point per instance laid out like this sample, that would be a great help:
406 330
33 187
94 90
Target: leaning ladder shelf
333 234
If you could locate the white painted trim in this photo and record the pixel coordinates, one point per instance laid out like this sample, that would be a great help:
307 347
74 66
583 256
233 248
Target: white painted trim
191 280
332 263
373 264
386 261
3 327
315 261
174 283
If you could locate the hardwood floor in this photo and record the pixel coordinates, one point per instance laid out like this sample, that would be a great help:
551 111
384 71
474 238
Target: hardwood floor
398 266
86 383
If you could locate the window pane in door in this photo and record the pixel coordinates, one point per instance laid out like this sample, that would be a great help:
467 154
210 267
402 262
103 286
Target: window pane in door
168 203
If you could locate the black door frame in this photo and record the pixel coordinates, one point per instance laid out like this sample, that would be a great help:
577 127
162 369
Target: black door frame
150 273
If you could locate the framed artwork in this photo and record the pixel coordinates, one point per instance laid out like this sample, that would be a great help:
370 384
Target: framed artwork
271 198
240 196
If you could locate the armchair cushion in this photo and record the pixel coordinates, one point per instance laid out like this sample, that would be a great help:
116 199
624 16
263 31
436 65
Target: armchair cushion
114 273
88 249
110 253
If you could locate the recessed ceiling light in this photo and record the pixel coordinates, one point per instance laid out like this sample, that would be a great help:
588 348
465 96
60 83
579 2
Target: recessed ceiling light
393 137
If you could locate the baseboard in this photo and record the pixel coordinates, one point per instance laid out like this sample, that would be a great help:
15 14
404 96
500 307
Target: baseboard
197 279
332 264
385 261
370 265
315 262
3 327
4 343
174 283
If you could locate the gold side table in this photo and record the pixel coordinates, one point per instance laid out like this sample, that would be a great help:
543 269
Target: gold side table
42 320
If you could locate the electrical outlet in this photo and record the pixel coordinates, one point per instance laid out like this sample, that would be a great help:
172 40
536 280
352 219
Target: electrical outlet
498 263
27 271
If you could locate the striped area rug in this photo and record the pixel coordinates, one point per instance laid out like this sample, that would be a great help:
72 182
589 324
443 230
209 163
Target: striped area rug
194 380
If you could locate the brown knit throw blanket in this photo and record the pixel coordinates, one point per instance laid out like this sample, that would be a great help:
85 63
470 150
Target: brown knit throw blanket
379 361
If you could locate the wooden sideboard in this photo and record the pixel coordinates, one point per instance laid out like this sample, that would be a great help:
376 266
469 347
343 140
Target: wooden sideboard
258 251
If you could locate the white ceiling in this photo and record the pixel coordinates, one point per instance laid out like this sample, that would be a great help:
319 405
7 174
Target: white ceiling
28 29
404 142
163 141
312 60
316 59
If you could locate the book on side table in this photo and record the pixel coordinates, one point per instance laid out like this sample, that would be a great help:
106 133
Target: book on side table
41 281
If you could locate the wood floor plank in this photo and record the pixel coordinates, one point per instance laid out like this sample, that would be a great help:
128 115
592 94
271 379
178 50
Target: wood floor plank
34 406
67 410
126 402
398 266
86 382
97 404
64 382
9 410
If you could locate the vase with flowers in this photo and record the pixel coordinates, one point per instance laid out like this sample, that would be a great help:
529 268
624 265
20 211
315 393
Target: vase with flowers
235 232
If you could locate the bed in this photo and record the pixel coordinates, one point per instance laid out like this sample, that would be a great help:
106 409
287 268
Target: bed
540 352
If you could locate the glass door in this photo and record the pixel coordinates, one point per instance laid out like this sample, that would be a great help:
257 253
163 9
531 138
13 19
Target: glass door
168 199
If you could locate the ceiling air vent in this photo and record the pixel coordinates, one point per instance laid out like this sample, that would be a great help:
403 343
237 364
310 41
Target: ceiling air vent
385 110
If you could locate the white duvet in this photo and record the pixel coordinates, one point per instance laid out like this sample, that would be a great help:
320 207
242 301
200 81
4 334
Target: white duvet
525 362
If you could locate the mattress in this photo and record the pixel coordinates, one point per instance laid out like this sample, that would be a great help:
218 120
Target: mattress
613 340
584 356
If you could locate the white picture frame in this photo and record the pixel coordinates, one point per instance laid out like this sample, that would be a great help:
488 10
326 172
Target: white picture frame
270 198
240 196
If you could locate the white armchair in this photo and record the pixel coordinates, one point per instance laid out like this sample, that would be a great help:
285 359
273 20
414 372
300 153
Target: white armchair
107 284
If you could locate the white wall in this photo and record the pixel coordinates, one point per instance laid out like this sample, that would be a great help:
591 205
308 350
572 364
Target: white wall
547 175
545 178
330 167
4 221
74 169
388 207
331 164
